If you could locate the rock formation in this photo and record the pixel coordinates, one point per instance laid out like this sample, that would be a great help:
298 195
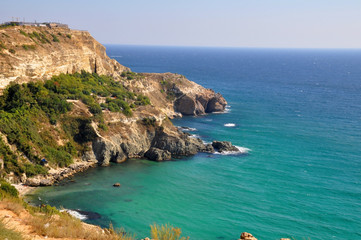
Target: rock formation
38 53
247 236
224 146
32 53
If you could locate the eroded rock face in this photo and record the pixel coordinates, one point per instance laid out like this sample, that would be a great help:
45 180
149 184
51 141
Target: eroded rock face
34 58
156 154
224 146
200 104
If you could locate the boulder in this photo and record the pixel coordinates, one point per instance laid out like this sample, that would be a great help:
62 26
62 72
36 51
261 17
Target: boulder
156 154
209 148
247 236
116 185
224 146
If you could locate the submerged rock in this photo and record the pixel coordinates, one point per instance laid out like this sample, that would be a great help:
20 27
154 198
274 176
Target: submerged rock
224 146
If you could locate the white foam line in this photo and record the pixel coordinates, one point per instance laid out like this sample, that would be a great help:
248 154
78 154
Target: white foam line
242 150
75 214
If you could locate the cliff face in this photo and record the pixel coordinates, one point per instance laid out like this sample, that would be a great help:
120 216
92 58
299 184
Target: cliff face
38 53
31 53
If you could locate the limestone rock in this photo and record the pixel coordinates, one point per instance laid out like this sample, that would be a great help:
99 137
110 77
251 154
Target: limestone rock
156 154
224 146
216 104
247 236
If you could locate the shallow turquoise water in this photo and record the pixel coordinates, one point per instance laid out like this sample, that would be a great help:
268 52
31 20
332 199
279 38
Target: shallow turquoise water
299 111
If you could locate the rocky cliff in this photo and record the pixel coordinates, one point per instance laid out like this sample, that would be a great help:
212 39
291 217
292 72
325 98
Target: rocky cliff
38 53
32 53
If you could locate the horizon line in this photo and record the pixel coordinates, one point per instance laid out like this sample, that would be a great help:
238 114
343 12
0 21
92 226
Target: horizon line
238 47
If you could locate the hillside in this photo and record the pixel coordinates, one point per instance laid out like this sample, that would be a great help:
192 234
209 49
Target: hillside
32 53
76 107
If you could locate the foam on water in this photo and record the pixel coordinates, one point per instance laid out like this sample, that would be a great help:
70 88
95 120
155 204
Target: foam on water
229 125
242 150
75 214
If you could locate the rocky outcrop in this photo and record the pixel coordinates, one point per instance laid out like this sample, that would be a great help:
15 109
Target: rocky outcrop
33 53
56 175
37 53
247 236
156 154
224 146
175 94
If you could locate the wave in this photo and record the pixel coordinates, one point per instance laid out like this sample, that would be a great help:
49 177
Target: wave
117 56
195 136
75 214
229 125
187 129
242 150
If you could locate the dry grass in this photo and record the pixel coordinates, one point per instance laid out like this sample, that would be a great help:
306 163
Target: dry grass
7 233
13 205
166 232
65 226
47 221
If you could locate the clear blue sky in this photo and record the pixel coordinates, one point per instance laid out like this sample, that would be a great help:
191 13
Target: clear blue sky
232 23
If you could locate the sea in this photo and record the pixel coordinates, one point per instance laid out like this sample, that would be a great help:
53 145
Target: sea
296 116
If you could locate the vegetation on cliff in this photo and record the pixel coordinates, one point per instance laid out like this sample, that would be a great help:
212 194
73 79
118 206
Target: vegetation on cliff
35 118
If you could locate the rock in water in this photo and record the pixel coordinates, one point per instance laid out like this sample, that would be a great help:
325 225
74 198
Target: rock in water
116 185
156 154
247 236
224 146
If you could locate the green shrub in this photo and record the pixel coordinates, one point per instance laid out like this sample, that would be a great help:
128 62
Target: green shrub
12 51
55 38
29 47
8 189
68 36
23 33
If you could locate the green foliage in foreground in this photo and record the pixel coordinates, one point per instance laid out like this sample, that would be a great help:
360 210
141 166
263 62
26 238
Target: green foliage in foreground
33 117
6 189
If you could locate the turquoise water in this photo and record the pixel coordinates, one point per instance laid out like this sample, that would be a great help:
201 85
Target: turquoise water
299 113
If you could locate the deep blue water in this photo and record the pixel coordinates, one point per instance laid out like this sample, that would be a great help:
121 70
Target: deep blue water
298 111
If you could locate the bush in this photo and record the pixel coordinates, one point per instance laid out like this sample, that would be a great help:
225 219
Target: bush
55 38
12 51
8 189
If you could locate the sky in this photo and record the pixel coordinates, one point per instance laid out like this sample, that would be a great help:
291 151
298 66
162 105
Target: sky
222 23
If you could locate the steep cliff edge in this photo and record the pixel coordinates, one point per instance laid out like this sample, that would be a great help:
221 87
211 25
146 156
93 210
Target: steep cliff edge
95 111
32 53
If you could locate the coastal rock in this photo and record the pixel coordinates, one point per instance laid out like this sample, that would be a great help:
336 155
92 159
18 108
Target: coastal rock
116 185
216 104
179 144
185 105
209 148
71 54
38 181
156 154
224 146
247 236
